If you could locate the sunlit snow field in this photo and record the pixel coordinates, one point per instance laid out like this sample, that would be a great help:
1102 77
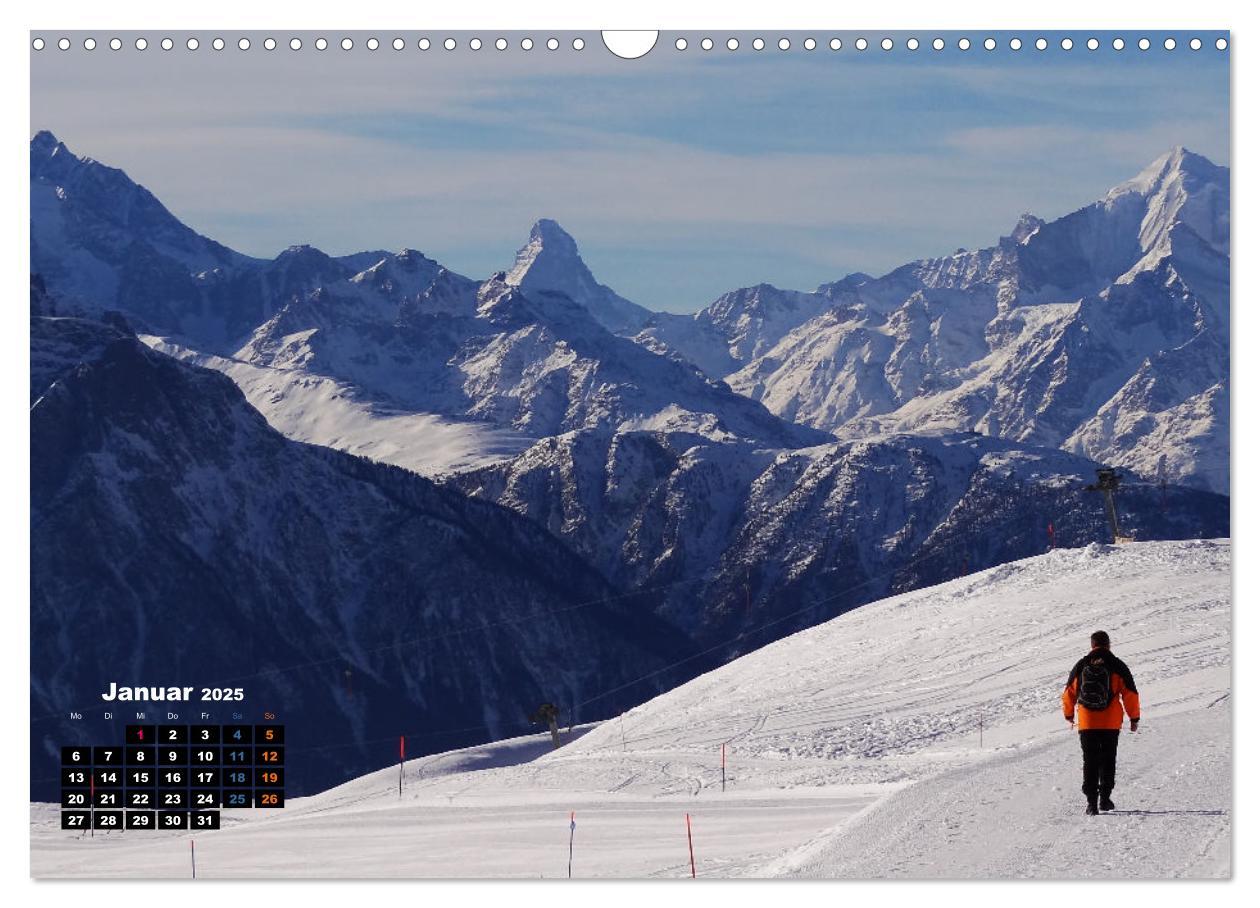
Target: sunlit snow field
853 749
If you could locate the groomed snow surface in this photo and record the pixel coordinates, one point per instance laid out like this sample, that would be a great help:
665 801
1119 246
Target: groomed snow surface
853 750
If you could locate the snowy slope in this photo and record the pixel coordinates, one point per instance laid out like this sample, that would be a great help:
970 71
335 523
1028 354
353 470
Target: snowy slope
853 749
309 407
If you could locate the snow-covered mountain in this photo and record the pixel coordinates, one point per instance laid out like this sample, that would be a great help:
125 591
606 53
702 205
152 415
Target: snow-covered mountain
745 544
535 361
919 736
177 539
1105 332
549 263
101 241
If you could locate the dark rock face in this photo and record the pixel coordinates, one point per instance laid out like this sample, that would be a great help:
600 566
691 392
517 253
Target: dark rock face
177 539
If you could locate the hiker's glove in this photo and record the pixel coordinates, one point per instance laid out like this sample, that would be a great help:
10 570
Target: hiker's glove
1133 724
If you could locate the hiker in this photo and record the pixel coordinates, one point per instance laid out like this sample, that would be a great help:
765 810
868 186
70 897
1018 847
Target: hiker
1098 689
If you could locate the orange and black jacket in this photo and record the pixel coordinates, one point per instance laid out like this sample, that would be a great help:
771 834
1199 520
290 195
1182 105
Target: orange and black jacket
1123 691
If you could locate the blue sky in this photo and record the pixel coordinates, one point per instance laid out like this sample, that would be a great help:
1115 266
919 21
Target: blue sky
681 175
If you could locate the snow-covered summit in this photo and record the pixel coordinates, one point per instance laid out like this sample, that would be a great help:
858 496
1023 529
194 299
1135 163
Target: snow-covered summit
549 261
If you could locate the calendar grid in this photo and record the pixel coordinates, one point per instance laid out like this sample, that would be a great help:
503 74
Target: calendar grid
172 777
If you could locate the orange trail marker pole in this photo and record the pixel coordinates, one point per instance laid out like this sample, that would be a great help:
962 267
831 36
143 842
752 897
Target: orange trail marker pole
690 848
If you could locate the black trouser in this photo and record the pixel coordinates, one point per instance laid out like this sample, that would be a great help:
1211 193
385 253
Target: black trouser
1099 749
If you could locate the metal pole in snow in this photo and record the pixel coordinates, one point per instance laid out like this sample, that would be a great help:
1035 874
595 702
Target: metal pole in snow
572 830
402 754
192 851
690 848
622 722
92 805
723 766
982 727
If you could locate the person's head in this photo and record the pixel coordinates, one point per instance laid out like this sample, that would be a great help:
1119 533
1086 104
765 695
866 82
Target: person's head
1099 640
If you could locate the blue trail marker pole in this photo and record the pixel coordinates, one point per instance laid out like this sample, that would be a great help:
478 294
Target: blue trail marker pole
572 830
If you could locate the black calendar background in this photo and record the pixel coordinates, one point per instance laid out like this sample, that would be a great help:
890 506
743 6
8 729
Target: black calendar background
172 776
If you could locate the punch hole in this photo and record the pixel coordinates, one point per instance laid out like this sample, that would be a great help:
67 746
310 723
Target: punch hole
1221 44
886 44
860 44
553 44
835 44
116 44
217 44
1118 44
425 43
38 44
810 43
630 44
63 44
321 44
1042 44
990 44
912 43
680 44
938 44
784 44
399 44
295 44
706 44
964 44
1016 44
758 44
269 44
167 44
192 44
527 44
578 44
243 44
141 44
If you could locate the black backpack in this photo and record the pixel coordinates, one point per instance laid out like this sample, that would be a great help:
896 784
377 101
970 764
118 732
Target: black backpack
1093 689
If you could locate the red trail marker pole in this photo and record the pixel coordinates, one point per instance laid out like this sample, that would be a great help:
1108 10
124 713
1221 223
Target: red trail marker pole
690 848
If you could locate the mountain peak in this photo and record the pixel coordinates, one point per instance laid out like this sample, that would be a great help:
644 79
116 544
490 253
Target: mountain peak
44 142
1173 166
550 263
549 248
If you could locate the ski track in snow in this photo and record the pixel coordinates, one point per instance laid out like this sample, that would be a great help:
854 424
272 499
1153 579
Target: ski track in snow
853 751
